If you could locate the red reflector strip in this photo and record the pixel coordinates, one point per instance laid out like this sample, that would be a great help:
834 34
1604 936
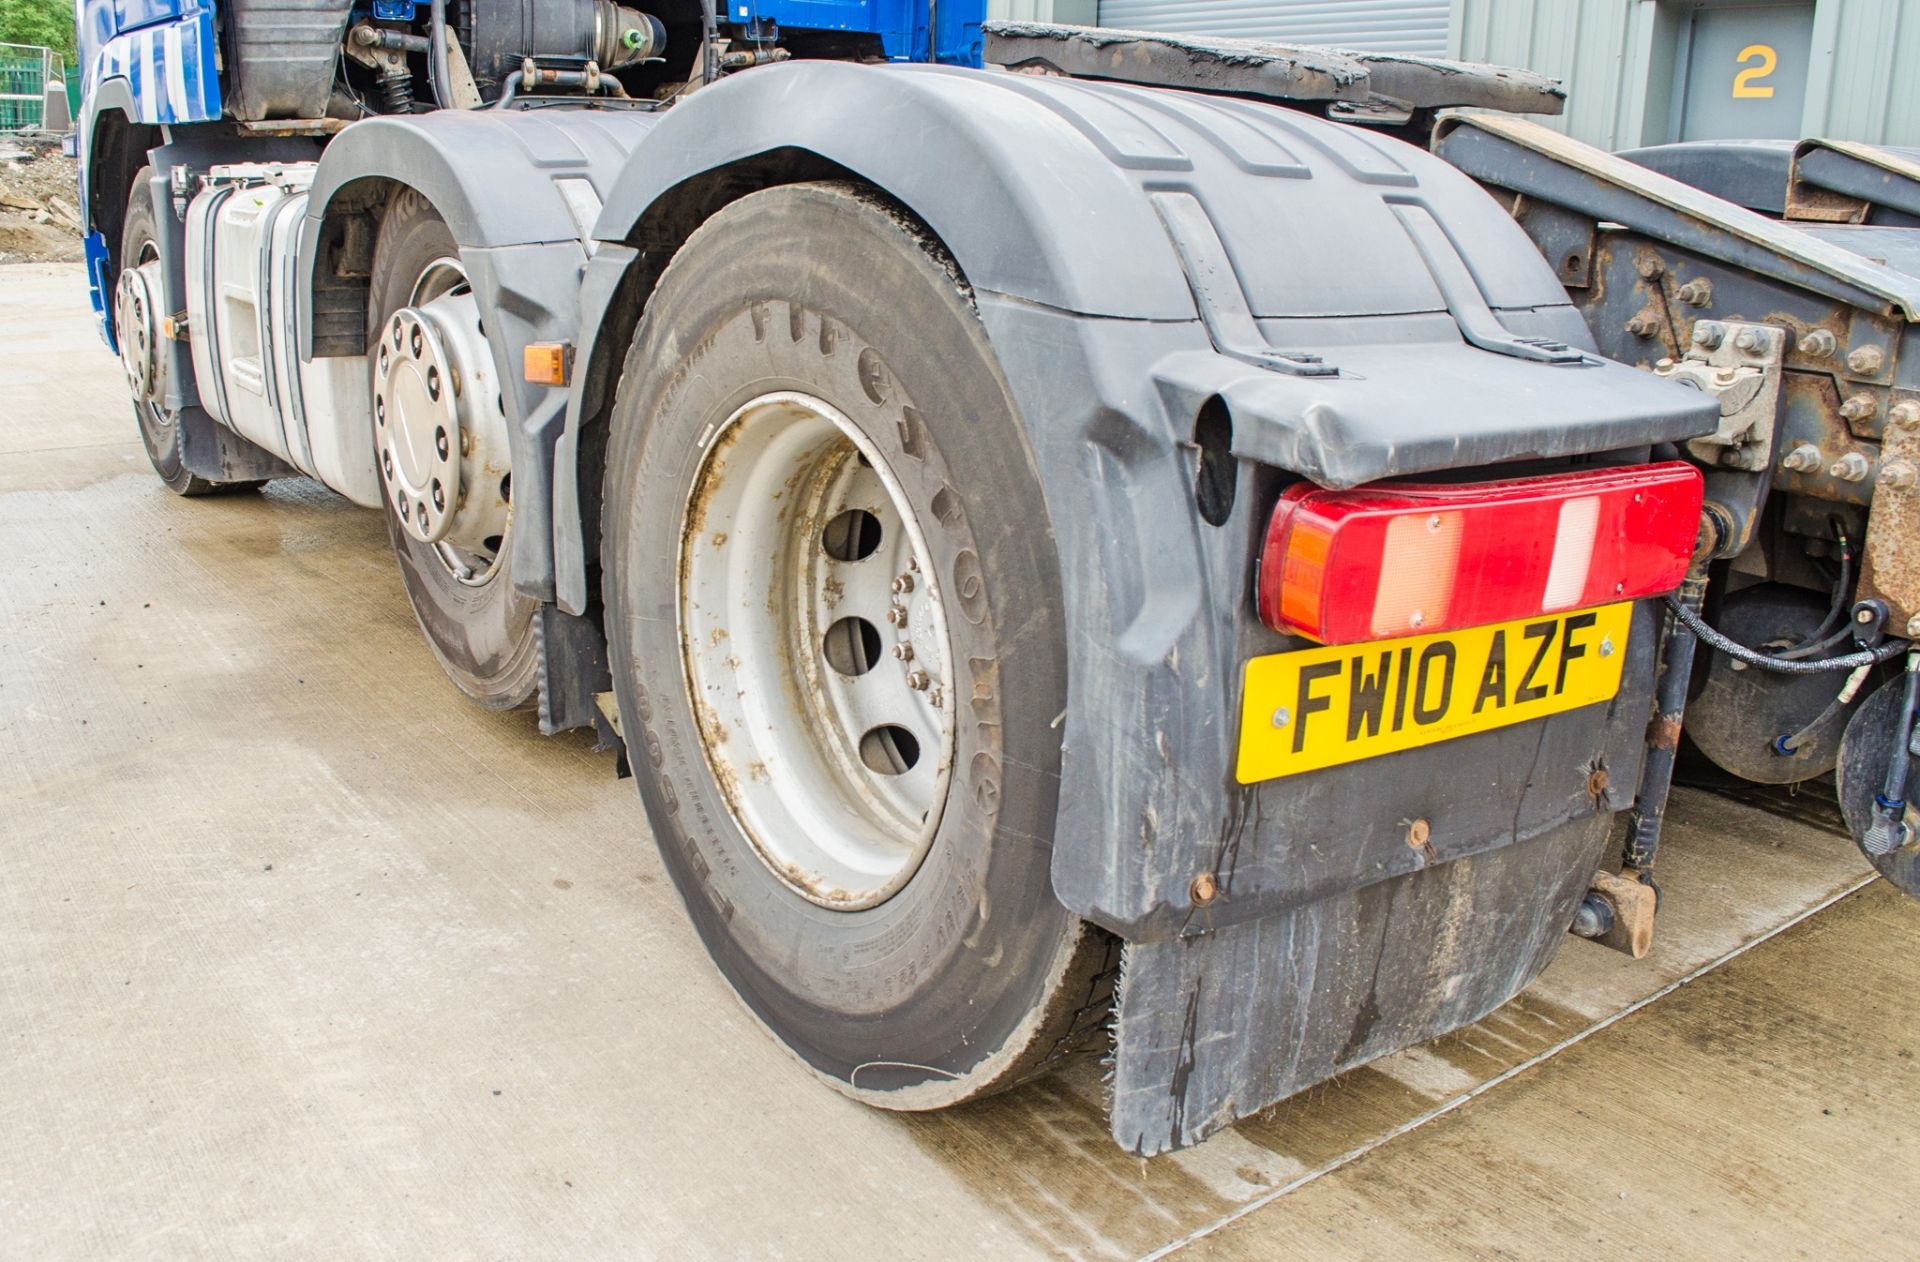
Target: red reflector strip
1403 558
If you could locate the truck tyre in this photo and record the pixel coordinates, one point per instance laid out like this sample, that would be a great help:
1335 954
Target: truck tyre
440 434
832 604
138 306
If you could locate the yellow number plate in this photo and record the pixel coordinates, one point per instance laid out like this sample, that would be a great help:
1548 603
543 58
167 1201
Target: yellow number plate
1321 707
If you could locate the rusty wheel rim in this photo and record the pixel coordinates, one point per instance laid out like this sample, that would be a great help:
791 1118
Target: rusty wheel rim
815 651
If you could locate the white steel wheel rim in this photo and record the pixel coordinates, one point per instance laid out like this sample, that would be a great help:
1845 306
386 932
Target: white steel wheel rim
815 650
440 426
136 329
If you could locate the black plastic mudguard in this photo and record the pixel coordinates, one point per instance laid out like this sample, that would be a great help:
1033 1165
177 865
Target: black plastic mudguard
1363 311
520 191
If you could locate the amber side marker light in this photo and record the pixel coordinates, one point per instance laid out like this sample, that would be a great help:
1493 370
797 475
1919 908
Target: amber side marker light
547 363
1398 559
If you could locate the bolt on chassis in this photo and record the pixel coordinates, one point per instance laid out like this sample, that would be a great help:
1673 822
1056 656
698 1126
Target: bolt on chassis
1176 549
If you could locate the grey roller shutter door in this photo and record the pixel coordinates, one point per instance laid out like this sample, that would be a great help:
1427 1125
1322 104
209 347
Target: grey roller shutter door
1385 26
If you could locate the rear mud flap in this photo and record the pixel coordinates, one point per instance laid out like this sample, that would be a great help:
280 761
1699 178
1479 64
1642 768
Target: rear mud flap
1217 1025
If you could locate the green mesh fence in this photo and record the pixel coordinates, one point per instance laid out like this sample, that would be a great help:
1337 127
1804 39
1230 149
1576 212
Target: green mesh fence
24 71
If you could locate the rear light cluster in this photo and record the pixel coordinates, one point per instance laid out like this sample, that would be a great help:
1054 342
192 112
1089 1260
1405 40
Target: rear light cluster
1400 559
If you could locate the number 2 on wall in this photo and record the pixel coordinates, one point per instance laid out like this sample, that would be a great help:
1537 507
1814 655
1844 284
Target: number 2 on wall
1748 82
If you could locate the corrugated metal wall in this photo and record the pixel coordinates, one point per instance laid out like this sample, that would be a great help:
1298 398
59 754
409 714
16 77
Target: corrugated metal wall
1078 12
1869 87
1396 26
1618 60
1581 42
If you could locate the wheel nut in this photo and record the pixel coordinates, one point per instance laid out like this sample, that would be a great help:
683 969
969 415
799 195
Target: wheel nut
903 651
1851 467
896 615
1864 360
1897 474
1904 414
917 680
902 584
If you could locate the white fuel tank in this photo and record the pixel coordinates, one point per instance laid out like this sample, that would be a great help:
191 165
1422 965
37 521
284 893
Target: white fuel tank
243 231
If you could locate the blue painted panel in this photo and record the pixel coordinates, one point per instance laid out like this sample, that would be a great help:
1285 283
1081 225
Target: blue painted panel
169 67
900 24
97 262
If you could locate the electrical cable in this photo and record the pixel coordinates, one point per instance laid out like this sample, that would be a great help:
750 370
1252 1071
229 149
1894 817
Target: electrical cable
1741 653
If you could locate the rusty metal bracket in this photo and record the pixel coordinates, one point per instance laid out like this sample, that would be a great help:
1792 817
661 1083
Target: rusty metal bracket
1890 559
1632 905
1743 366
1839 181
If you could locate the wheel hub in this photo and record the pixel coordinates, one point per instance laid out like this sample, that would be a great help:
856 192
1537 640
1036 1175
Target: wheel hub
441 429
137 331
816 651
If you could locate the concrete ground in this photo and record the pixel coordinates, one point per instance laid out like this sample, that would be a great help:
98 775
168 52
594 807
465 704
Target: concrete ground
301 955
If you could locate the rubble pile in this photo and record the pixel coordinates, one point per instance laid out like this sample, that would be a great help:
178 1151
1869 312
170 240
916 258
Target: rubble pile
39 203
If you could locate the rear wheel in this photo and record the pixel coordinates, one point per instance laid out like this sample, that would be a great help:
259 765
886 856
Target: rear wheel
139 296
839 654
440 436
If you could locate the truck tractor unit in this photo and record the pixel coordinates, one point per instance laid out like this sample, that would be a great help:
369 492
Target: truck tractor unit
1086 542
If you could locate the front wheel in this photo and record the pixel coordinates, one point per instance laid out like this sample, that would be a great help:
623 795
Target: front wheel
139 305
832 610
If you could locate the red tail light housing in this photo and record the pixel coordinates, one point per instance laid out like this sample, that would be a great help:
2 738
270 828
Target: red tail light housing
1404 559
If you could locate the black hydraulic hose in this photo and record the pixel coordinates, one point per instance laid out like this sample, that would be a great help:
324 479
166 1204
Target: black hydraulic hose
1820 639
1807 648
1741 653
442 76
1787 746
